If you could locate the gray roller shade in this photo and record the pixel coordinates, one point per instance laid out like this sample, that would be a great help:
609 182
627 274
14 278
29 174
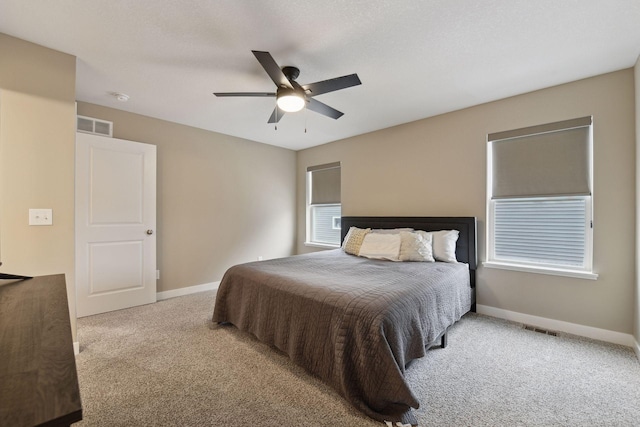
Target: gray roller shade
542 161
325 184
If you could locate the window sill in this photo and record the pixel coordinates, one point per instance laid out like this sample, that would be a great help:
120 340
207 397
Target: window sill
541 270
321 245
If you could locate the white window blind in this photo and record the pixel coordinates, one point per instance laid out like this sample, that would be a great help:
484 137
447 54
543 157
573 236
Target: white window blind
323 204
548 231
323 227
540 196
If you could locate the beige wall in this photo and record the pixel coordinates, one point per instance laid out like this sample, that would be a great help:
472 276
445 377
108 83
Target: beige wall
437 166
37 134
636 328
221 200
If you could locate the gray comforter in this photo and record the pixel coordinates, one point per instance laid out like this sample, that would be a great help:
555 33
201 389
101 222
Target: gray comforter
351 321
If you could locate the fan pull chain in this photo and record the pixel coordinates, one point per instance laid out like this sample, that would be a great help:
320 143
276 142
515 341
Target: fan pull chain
305 119
276 124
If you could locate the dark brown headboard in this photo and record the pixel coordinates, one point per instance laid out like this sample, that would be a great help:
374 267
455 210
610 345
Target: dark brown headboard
466 246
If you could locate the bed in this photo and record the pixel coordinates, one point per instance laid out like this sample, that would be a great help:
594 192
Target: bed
354 322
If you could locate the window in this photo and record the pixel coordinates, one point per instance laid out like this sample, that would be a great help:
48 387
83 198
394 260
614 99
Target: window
539 209
323 205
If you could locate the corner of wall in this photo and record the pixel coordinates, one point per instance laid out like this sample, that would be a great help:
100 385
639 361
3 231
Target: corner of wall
636 324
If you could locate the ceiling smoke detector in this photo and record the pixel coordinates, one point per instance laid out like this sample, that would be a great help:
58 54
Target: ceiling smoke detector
122 97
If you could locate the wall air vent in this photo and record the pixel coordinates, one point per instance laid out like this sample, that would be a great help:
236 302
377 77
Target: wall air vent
94 126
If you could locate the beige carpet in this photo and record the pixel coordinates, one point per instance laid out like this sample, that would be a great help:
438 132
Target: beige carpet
166 364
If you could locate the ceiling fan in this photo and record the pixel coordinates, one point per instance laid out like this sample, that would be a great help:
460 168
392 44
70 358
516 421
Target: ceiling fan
290 95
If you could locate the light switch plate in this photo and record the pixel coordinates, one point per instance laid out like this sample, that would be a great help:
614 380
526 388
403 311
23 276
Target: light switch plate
40 216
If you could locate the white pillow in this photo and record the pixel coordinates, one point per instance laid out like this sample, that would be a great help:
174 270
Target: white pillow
381 246
416 247
444 245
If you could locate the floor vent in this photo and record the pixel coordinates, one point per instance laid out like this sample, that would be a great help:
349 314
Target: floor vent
94 126
540 330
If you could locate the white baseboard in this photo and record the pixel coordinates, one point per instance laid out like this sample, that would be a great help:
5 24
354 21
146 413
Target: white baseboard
636 347
187 291
76 348
561 326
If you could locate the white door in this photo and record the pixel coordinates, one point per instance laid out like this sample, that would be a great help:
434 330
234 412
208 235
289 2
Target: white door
115 224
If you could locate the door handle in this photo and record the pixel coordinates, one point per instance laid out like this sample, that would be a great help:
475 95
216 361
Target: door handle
149 232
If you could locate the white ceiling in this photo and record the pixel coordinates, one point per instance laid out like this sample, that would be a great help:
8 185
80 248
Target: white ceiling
416 58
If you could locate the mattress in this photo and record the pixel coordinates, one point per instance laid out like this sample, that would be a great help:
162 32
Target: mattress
354 322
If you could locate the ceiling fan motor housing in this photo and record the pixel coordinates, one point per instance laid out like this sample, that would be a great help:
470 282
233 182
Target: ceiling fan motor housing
291 73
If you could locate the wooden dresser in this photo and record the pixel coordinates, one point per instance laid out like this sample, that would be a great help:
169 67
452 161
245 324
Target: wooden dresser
38 378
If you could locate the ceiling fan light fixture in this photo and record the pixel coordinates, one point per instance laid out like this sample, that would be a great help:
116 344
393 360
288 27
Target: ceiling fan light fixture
290 95
289 100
